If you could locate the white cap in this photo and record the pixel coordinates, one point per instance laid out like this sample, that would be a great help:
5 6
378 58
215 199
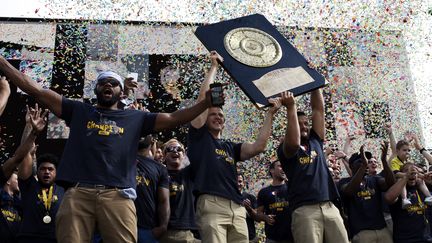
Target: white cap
110 74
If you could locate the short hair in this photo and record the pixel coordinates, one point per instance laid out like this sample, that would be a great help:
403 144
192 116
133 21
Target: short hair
47 158
272 165
145 142
401 143
300 113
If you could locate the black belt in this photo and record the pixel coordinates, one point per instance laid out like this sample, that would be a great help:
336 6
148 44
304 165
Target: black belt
93 186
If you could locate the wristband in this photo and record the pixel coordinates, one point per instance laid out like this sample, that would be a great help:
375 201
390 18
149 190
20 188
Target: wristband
422 150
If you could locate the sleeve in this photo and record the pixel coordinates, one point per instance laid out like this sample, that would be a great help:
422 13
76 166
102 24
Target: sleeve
164 179
314 135
67 110
341 183
260 201
281 155
148 125
195 133
237 151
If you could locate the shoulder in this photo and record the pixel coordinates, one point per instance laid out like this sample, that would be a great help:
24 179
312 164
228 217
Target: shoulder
27 183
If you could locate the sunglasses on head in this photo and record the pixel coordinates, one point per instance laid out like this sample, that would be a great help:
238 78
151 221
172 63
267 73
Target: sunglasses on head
111 81
176 149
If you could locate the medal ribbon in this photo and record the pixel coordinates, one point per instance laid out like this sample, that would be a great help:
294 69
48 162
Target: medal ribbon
47 200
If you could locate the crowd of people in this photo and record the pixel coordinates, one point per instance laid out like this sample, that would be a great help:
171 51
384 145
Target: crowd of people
115 184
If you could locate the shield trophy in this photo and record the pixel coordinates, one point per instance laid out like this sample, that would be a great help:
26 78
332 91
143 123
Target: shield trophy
261 61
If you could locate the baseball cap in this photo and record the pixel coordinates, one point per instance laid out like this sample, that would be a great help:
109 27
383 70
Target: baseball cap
356 156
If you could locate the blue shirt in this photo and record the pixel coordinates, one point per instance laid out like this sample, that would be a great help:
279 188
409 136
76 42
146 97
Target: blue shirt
309 179
214 164
102 144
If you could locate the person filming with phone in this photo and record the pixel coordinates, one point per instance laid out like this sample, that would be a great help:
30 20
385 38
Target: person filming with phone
220 214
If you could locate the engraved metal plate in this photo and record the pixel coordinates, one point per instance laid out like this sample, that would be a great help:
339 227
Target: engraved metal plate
253 47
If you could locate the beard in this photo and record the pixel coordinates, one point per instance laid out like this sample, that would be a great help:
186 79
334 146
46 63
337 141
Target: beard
107 102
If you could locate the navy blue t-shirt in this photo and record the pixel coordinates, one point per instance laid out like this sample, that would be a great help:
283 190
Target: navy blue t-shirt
309 179
10 217
102 144
365 207
249 220
181 200
275 202
32 224
409 223
150 176
214 164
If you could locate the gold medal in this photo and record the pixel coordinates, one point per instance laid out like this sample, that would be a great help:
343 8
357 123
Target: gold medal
47 219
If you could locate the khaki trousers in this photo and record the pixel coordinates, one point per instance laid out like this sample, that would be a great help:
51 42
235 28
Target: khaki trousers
178 236
221 220
373 236
84 208
318 223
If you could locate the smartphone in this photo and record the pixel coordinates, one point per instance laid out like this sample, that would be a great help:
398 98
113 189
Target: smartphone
216 94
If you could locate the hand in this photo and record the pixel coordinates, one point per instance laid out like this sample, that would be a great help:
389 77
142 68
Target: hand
416 140
270 219
275 105
4 85
247 204
159 231
388 128
215 58
363 156
137 106
384 151
38 119
428 178
350 138
340 154
409 136
311 65
401 175
287 99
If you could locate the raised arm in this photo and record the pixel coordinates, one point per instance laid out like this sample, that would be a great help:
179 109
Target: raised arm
22 151
341 156
354 185
200 120
248 150
291 142
393 193
46 97
389 178
171 120
4 93
347 146
422 150
38 123
389 129
318 118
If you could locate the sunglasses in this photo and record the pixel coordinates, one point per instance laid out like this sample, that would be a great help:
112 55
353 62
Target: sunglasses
111 81
176 149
